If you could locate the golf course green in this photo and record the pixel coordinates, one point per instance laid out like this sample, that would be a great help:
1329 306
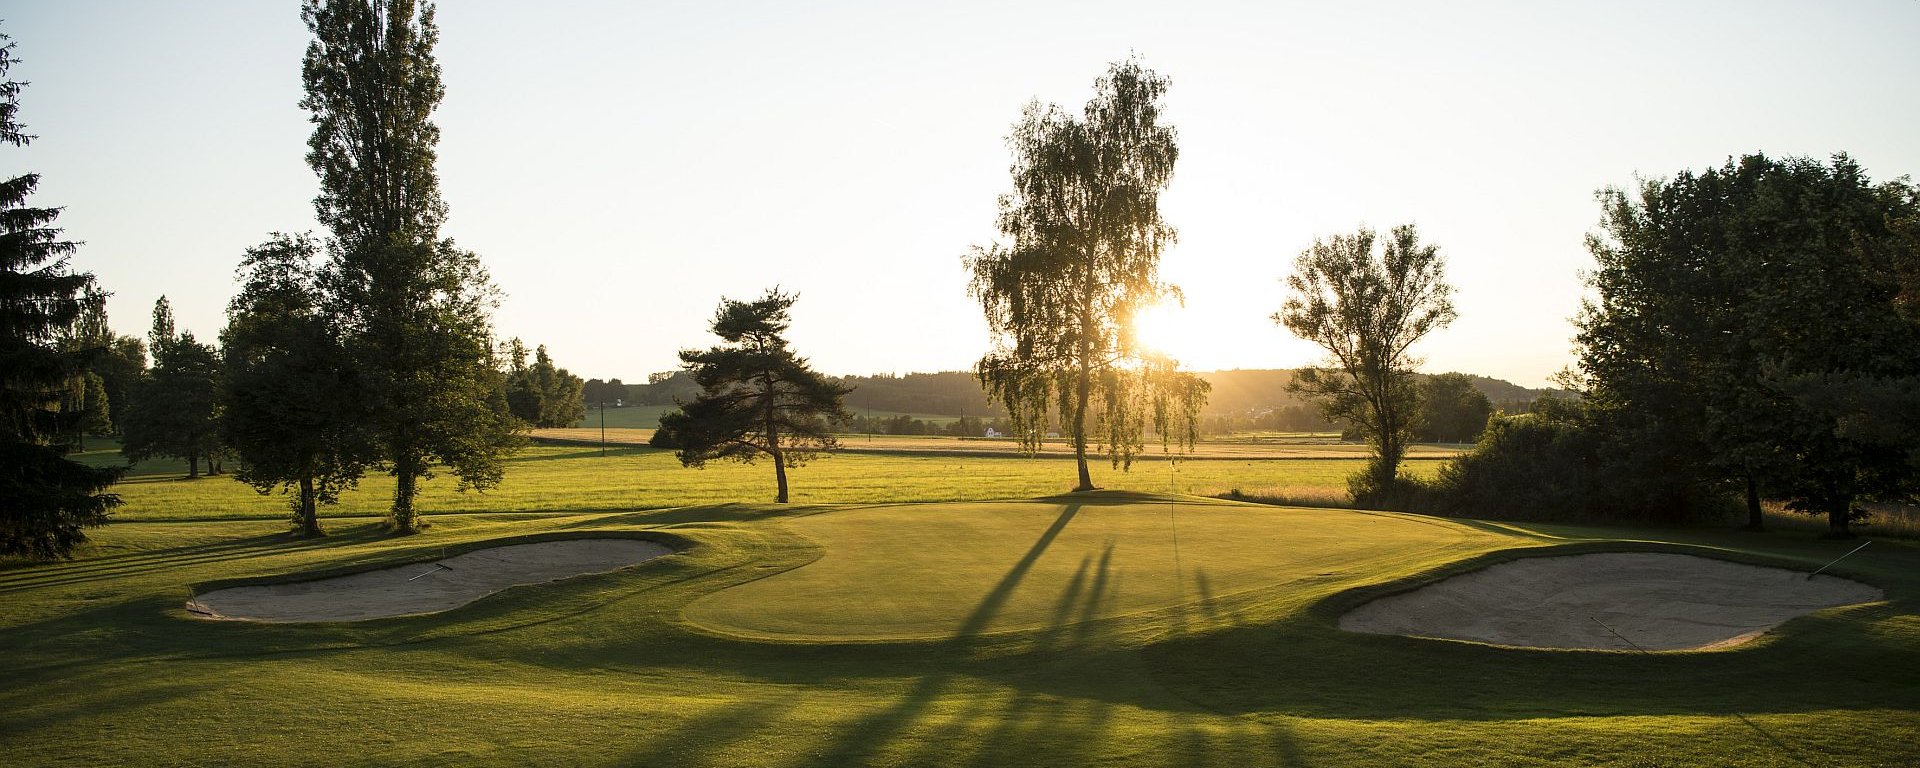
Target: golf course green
1057 630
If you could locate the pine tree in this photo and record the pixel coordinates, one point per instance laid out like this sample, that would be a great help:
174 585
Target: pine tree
45 499
757 399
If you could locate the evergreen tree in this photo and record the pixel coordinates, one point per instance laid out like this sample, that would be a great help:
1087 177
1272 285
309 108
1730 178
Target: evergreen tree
414 308
46 499
293 409
757 397
1082 257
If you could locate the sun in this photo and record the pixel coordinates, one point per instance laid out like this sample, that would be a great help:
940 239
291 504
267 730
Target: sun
1165 328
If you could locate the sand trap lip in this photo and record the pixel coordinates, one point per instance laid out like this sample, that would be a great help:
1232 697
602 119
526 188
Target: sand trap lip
1658 601
428 587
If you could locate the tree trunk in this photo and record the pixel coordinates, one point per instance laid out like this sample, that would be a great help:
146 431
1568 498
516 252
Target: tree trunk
780 476
309 514
1839 514
769 391
193 464
1756 520
1085 385
406 475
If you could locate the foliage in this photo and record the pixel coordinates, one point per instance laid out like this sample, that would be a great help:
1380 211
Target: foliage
1452 410
611 392
1085 237
294 409
414 308
540 394
757 397
1715 291
1557 463
46 500
1368 312
176 406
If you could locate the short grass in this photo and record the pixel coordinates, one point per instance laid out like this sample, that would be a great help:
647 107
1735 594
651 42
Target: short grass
1056 631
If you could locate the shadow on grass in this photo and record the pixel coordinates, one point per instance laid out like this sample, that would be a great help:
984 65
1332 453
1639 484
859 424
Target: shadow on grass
64 573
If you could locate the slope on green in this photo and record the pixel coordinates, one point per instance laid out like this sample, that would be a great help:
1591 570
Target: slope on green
957 570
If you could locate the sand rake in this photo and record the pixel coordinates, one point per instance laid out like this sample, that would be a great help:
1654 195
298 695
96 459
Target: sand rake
437 566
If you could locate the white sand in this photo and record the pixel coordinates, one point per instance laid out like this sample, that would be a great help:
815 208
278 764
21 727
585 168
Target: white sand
1658 601
396 592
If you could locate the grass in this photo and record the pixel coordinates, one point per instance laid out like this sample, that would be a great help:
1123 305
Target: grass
648 417
566 479
1056 631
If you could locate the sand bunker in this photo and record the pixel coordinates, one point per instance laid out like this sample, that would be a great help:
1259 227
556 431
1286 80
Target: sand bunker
424 587
1660 602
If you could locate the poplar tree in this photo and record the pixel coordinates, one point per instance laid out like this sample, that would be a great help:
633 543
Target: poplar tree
414 309
46 499
1081 257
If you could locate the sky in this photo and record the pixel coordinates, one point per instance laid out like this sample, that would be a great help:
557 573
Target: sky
622 166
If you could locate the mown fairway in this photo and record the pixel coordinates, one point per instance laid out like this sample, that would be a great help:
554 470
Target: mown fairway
1055 631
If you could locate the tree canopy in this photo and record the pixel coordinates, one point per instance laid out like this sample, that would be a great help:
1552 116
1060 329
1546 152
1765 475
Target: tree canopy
176 406
1081 256
1746 318
1452 410
757 398
541 394
414 309
46 499
1368 311
294 407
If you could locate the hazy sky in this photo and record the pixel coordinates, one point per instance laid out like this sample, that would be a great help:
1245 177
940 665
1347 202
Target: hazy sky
621 166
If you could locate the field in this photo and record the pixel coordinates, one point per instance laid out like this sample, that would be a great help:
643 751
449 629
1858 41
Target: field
648 417
1299 445
994 624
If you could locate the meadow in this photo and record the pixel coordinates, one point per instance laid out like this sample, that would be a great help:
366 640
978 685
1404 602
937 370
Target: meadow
992 623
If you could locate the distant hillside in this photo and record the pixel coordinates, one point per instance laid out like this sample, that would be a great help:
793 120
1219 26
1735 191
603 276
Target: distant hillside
956 393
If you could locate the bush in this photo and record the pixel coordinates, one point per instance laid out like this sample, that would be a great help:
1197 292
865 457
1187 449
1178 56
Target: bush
1560 463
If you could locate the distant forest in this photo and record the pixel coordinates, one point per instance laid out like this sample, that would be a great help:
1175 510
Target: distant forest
1238 395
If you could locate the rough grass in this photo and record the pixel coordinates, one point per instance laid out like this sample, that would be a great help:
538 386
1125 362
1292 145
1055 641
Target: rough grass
572 479
1019 657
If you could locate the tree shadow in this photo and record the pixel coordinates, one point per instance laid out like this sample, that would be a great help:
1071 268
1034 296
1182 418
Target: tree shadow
139 563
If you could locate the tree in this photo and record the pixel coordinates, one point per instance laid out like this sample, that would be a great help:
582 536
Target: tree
175 409
1737 313
46 499
294 408
115 364
414 308
1452 410
1084 238
757 398
1368 311
541 394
